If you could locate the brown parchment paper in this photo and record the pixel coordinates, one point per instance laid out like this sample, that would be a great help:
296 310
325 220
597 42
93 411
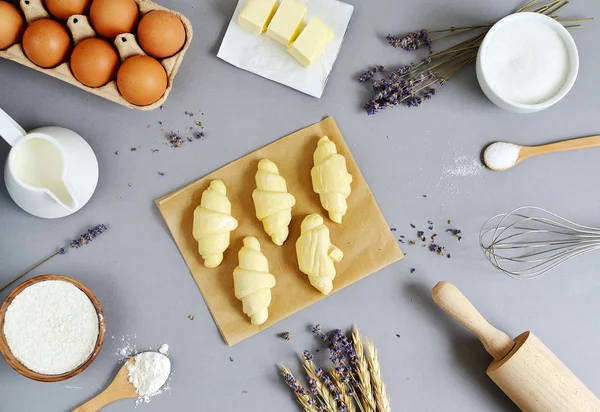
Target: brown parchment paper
364 236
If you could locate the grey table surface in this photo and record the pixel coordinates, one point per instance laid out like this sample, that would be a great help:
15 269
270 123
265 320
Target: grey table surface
429 363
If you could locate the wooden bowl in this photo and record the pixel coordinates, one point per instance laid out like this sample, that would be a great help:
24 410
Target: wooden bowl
22 369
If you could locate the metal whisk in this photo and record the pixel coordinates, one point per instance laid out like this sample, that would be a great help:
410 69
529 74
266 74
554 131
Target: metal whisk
530 241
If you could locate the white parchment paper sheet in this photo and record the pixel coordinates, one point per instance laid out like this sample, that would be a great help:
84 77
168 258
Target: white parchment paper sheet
267 58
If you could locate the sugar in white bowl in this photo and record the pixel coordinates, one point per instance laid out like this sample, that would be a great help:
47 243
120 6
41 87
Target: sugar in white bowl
51 327
527 62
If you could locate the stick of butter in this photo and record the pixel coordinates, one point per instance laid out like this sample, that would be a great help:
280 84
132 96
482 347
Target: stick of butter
287 22
311 43
256 15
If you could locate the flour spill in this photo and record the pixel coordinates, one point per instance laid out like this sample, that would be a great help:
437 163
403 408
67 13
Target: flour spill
125 346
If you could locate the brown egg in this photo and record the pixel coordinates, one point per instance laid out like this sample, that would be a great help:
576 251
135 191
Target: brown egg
112 17
63 9
161 34
94 62
141 80
46 43
11 25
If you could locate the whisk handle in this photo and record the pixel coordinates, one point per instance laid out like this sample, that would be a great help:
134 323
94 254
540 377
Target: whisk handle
454 303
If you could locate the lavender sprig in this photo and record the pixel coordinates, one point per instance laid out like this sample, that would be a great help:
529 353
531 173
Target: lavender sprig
302 395
368 75
76 243
84 238
411 41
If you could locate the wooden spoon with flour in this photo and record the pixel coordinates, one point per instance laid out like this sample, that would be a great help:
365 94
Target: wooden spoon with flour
143 375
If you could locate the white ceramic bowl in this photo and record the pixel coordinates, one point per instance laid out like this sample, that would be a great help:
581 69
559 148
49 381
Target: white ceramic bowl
483 63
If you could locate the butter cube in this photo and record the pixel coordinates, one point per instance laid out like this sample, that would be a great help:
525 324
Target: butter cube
287 22
256 15
311 43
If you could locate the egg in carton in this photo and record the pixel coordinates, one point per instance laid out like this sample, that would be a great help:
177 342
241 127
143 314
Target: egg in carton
134 61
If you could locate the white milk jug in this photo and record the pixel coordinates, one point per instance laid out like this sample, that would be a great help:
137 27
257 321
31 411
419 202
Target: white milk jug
50 172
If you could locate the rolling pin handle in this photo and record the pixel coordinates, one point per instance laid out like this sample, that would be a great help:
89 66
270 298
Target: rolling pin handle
454 303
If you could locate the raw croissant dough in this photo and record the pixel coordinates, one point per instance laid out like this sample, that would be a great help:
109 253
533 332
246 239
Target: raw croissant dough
253 282
316 254
330 179
272 201
213 223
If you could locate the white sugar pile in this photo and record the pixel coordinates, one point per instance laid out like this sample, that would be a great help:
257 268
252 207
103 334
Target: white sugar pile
51 327
528 62
149 371
501 155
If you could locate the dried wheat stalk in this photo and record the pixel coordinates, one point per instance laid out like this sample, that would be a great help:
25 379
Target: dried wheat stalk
381 397
363 375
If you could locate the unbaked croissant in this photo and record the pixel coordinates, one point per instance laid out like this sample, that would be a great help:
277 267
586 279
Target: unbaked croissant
213 224
330 179
252 281
316 254
272 201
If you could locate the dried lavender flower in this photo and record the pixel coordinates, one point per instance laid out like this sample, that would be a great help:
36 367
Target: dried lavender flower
312 384
440 250
369 74
175 140
411 41
414 101
85 238
76 243
429 93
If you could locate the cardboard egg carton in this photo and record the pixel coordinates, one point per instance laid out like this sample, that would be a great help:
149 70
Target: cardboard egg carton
126 44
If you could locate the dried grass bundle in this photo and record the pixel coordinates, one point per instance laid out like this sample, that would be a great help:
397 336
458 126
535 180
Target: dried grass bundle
353 383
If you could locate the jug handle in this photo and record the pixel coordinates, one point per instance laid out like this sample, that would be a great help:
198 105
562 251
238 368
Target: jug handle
9 129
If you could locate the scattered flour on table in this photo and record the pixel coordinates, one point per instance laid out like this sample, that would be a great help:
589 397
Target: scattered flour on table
126 346
51 327
148 373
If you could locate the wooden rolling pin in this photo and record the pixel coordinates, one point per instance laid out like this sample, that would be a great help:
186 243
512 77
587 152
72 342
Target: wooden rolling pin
524 368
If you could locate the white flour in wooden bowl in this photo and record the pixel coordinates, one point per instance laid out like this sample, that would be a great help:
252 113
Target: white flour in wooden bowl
51 327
